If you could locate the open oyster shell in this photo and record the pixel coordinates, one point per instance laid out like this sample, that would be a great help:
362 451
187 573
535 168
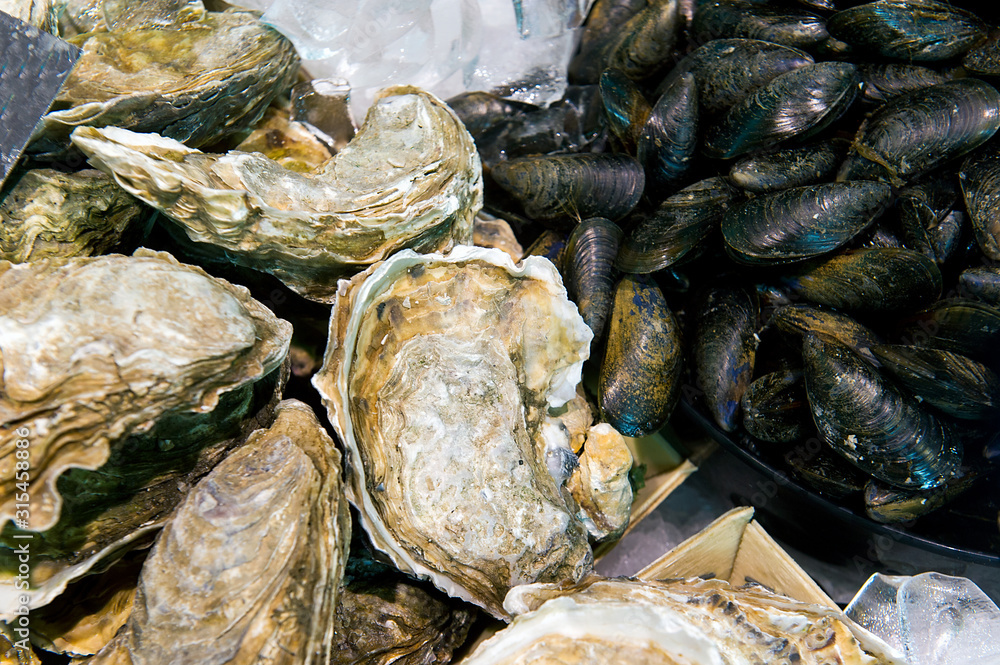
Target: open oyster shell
47 213
114 367
438 376
693 621
411 177
247 570
196 82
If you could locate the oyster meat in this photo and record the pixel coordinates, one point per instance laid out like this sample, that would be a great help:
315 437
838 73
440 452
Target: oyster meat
126 364
694 621
196 82
411 177
442 377
247 571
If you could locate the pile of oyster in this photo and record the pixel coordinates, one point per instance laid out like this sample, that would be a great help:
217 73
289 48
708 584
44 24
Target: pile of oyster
167 491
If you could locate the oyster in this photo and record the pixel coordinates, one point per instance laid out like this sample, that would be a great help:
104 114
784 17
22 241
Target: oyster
693 621
439 377
40 13
247 571
197 82
410 178
120 374
49 213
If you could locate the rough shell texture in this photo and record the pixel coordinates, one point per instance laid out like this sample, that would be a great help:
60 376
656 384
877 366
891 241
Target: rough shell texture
96 350
197 84
248 569
49 213
696 621
438 377
410 178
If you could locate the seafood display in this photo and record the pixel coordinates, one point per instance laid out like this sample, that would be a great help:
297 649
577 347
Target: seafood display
784 216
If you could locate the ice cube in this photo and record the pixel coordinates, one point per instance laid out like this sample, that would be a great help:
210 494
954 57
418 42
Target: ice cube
874 607
948 621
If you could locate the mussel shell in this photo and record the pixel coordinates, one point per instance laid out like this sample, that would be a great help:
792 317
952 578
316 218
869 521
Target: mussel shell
980 180
607 17
638 48
775 408
955 384
870 281
915 132
892 505
625 107
752 20
676 227
669 137
793 167
828 473
968 327
802 222
589 268
640 375
566 187
804 319
915 30
725 347
984 60
927 220
982 283
796 103
480 111
549 244
883 81
871 423
727 70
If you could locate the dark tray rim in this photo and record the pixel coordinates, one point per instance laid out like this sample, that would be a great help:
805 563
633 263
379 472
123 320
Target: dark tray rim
844 514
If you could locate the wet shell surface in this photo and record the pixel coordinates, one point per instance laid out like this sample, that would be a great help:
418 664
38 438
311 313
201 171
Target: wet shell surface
683 621
197 83
248 569
411 177
439 377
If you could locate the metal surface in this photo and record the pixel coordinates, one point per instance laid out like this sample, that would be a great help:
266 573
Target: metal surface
33 66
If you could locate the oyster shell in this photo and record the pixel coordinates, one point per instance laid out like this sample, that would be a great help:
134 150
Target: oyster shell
40 13
694 621
49 213
410 178
247 571
439 376
130 366
198 82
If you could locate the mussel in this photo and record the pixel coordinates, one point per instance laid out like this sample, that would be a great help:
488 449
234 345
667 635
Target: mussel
802 222
871 423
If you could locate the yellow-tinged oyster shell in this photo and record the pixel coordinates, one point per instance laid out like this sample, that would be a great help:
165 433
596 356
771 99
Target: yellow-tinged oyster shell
196 82
247 571
47 213
438 377
679 622
411 177
40 13
98 352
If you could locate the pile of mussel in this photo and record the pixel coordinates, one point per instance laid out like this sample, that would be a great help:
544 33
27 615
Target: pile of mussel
787 215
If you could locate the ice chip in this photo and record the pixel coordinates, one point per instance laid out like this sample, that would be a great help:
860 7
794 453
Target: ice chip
948 621
874 607
517 47
933 619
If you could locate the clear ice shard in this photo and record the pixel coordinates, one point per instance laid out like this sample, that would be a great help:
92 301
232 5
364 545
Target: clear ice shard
513 47
933 619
